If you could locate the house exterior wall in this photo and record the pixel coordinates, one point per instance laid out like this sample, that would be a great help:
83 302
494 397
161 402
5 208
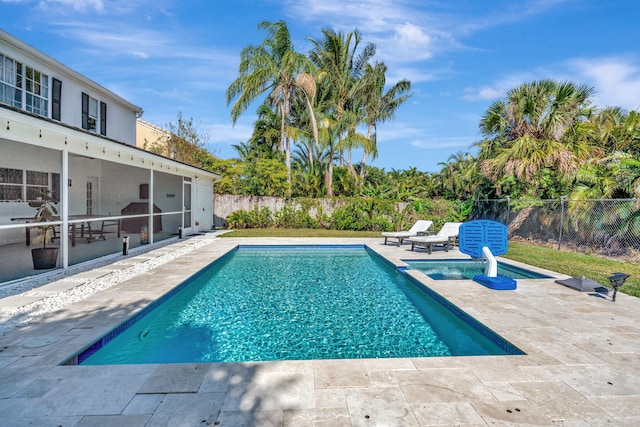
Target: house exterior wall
148 134
120 114
75 160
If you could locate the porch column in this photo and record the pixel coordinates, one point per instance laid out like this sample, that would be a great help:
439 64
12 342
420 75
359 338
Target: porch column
150 206
64 208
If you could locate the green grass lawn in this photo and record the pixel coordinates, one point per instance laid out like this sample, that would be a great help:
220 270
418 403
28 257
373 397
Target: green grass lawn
569 263
575 264
298 232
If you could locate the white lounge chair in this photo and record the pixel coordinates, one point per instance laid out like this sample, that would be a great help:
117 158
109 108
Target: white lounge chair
420 227
445 237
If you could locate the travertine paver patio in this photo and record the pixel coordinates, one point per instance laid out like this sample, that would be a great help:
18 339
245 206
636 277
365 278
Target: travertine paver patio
582 366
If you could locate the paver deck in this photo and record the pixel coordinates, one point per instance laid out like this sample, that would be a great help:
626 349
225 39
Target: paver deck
582 366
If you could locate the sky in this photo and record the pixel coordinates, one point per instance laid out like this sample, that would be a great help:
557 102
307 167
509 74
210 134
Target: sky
179 56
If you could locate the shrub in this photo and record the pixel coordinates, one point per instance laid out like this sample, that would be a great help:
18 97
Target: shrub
289 217
239 219
357 214
257 218
362 215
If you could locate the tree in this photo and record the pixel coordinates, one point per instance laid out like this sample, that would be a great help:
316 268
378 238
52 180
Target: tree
536 127
380 106
183 141
265 138
616 130
274 67
341 65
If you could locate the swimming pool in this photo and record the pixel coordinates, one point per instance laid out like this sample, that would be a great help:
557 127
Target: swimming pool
295 303
467 269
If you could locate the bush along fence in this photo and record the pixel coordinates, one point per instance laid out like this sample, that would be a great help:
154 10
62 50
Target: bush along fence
362 214
605 227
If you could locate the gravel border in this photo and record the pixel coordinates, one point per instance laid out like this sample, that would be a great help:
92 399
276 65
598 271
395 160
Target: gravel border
11 318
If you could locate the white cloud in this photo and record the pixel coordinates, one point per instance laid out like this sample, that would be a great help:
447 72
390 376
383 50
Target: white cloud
483 93
408 34
413 74
401 31
225 133
412 30
121 39
140 54
117 38
443 142
78 5
408 42
419 136
499 88
368 15
616 80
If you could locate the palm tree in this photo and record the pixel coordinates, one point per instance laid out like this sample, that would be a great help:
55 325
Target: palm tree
306 85
380 106
536 128
274 67
630 175
265 139
616 130
341 66
243 149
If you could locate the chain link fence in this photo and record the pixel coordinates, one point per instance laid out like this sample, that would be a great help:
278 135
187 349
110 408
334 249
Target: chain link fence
603 227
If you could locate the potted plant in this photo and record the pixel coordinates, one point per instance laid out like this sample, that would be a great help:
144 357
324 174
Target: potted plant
44 257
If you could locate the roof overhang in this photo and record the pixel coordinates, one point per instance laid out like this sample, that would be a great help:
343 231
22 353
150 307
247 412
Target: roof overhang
20 126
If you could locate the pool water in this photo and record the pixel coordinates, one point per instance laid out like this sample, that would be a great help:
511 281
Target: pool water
296 303
467 269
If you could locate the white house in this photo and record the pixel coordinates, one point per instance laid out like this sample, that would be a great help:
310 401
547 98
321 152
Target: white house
64 135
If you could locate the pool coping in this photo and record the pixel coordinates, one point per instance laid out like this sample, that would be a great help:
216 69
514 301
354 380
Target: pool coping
576 345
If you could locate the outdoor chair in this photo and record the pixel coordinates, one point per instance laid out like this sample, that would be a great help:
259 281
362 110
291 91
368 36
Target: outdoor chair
420 227
446 237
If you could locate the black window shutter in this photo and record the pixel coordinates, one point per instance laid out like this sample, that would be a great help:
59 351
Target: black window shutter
103 118
56 97
85 111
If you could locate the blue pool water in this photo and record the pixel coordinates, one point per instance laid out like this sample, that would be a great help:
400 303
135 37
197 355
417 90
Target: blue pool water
467 269
296 303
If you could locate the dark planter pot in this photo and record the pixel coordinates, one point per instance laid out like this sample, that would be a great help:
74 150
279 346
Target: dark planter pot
44 258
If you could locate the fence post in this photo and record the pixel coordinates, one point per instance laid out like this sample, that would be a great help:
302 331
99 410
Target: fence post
562 199
508 210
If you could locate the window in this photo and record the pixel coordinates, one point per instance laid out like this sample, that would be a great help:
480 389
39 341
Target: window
23 86
37 184
10 184
93 113
89 198
37 92
17 184
55 186
10 82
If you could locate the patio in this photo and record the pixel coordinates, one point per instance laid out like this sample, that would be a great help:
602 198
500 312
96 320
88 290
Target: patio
582 365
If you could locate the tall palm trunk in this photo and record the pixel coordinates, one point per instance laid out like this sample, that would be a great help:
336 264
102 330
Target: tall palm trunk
328 178
315 146
283 134
288 161
365 153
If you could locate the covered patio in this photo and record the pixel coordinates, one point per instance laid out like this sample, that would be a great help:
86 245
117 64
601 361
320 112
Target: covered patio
102 190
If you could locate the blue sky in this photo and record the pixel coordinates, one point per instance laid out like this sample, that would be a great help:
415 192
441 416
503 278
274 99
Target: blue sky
170 56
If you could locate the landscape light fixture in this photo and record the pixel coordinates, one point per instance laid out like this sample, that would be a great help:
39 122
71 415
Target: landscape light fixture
617 280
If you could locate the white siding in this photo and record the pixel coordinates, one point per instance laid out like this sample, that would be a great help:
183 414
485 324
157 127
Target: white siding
121 115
